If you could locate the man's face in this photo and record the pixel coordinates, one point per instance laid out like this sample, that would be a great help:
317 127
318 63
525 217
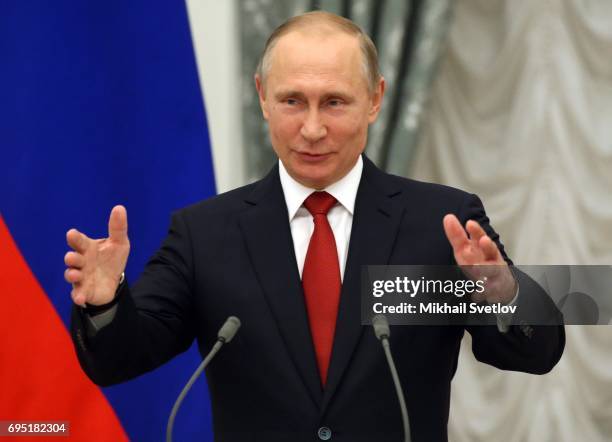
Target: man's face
318 106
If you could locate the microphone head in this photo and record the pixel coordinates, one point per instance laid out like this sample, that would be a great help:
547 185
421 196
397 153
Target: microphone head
381 326
229 329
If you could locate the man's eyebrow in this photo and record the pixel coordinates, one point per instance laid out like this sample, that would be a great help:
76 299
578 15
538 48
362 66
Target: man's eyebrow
283 94
338 94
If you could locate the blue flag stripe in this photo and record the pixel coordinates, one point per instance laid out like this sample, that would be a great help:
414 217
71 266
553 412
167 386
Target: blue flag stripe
103 107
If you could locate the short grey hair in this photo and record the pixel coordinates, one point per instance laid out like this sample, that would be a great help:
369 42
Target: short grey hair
337 22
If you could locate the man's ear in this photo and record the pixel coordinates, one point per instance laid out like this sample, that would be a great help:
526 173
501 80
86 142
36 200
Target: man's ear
262 96
377 98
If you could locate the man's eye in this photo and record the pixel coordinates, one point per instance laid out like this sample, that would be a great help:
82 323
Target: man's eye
291 101
334 103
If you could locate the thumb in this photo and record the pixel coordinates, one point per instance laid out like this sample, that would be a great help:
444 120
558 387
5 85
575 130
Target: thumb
117 224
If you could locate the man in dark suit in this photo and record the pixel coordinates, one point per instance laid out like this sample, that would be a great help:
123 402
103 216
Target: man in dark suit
285 254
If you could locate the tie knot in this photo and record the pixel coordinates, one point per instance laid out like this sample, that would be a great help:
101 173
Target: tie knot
319 203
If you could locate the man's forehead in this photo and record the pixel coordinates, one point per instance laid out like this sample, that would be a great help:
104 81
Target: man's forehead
297 50
322 57
314 35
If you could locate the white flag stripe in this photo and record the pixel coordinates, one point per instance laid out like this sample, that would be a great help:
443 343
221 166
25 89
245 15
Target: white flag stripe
216 39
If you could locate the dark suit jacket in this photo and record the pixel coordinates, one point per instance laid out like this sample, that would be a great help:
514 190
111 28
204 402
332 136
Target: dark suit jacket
233 255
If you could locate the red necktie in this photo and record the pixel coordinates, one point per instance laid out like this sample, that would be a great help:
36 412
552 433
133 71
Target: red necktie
321 280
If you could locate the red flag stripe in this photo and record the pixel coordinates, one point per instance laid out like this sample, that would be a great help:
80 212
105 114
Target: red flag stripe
40 377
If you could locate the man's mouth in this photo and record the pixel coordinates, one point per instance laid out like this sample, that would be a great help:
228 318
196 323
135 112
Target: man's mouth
313 157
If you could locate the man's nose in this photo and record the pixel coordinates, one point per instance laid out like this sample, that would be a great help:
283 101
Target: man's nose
313 128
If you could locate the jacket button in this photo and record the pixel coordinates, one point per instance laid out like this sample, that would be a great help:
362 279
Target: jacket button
526 329
324 433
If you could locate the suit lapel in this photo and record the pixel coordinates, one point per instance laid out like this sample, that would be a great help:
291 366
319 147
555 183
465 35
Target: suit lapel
375 225
265 226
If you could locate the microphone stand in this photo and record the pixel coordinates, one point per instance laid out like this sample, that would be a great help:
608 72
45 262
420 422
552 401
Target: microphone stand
383 332
225 335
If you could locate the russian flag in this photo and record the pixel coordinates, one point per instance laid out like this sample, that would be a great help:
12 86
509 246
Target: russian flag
100 105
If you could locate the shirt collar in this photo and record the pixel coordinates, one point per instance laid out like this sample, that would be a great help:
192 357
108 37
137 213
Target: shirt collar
344 190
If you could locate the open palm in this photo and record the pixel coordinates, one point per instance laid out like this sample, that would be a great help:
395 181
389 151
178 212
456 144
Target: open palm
480 259
95 265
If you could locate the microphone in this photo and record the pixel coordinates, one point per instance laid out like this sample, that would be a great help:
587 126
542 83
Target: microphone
226 333
383 332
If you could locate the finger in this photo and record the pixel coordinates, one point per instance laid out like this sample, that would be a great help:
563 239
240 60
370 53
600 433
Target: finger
73 276
455 233
117 224
77 240
74 259
77 297
476 232
478 297
489 249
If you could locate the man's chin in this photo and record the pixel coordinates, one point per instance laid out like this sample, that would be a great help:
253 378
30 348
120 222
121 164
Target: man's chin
314 179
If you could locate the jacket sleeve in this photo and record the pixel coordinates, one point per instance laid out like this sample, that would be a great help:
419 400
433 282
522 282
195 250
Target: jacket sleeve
153 321
535 343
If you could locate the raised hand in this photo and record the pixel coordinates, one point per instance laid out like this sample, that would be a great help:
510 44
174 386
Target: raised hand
479 258
95 266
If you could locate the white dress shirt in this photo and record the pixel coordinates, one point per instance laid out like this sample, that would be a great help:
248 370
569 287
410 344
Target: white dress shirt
340 216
